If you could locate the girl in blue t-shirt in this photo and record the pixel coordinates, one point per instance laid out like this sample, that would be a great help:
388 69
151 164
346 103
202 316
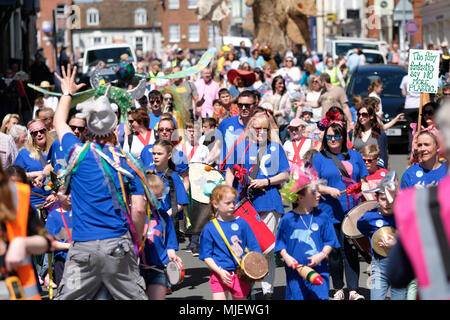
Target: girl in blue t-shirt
429 171
215 252
160 245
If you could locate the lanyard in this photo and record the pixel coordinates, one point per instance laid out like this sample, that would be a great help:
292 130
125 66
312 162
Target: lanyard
239 139
65 224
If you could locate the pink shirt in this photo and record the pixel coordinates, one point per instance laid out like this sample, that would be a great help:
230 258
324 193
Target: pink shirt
210 92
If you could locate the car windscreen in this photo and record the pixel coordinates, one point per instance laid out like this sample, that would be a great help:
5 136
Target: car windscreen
373 58
108 55
343 47
391 82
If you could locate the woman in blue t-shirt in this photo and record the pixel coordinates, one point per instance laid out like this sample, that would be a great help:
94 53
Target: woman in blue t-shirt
33 158
261 190
336 205
429 170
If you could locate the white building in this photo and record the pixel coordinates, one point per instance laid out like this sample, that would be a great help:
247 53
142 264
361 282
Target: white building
435 22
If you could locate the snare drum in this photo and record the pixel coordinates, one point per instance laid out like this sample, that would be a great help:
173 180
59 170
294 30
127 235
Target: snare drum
349 228
175 272
254 267
265 237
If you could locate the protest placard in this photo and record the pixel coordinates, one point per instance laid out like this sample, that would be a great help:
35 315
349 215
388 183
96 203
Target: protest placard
423 70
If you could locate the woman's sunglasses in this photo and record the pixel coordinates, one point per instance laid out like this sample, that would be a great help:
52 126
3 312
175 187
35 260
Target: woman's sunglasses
336 137
35 133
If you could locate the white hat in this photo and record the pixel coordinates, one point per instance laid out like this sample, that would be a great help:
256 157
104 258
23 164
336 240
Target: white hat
99 115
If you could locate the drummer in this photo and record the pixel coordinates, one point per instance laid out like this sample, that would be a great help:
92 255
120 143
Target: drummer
160 245
261 189
371 156
368 224
306 237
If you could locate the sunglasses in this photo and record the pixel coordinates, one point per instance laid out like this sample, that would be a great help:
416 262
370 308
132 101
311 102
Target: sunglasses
77 128
166 99
260 129
368 160
165 129
428 112
155 101
363 114
336 137
131 120
246 105
35 133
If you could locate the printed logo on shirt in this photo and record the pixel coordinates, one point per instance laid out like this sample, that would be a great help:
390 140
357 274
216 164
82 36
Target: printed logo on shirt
314 227
379 223
419 174
383 174
235 245
305 236
235 227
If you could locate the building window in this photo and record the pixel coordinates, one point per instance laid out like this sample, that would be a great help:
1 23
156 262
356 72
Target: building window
192 4
213 31
174 33
194 33
97 40
236 8
139 43
92 17
173 4
140 17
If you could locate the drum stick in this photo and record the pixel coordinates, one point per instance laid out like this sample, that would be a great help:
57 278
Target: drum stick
39 195
309 274
352 189
209 168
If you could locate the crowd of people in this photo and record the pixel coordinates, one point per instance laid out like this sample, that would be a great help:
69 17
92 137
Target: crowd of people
111 196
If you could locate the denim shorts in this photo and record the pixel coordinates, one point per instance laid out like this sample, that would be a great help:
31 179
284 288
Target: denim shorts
154 276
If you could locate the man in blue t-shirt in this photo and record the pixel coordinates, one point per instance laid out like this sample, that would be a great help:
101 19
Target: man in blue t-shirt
102 183
231 131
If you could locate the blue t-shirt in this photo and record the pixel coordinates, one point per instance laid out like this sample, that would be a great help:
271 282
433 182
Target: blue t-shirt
154 120
273 162
228 132
182 197
371 221
55 226
326 169
239 236
29 164
418 176
160 237
56 156
94 215
121 133
178 157
294 237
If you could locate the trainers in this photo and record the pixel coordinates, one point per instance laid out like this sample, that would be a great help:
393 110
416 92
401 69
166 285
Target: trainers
338 295
356 296
195 251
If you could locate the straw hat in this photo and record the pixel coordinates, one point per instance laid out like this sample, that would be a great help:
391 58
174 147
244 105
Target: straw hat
46 85
248 76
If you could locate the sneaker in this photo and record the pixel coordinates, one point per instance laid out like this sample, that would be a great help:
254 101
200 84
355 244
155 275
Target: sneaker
195 251
267 296
356 296
41 282
338 295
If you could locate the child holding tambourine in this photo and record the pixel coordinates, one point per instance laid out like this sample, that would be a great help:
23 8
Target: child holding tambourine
305 237
215 252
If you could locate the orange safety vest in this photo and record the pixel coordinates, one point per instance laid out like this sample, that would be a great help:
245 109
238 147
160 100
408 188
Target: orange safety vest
18 228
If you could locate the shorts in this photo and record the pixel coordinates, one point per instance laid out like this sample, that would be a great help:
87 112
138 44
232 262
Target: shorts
238 288
154 276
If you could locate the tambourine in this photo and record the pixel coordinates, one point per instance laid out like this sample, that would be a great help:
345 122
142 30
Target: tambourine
175 272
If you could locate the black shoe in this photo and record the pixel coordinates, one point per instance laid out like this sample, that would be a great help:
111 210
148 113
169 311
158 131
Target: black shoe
267 296
195 251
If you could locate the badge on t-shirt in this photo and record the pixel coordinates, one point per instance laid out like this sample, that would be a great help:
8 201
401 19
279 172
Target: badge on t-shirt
314 227
235 227
379 223
383 174
419 174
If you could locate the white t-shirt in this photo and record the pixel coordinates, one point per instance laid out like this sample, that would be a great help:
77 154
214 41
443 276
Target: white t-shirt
136 145
373 94
289 148
313 96
200 154
412 100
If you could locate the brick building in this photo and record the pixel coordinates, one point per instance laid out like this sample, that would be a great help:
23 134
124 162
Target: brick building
116 21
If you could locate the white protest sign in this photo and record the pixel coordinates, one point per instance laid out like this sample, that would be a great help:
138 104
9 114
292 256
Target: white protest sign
423 70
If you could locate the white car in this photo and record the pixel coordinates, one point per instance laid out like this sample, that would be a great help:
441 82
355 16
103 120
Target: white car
372 56
109 54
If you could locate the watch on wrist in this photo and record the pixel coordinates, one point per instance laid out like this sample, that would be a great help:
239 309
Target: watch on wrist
67 93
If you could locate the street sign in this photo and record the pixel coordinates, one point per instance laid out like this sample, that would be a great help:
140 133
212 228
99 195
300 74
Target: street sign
403 11
384 7
412 27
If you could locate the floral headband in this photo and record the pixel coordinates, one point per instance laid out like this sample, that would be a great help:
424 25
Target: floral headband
330 117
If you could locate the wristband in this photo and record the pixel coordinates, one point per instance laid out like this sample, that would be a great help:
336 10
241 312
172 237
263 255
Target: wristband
268 181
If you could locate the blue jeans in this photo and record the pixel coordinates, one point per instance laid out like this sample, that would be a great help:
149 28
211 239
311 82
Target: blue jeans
379 284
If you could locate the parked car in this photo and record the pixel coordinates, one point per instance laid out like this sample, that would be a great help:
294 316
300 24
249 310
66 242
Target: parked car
339 46
391 98
372 56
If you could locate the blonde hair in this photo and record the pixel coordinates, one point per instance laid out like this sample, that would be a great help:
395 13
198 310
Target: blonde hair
262 119
312 77
32 147
371 150
154 181
7 119
218 194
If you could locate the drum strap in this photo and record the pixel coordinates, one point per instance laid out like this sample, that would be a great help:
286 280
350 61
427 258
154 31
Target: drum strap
172 192
219 229
297 148
337 162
